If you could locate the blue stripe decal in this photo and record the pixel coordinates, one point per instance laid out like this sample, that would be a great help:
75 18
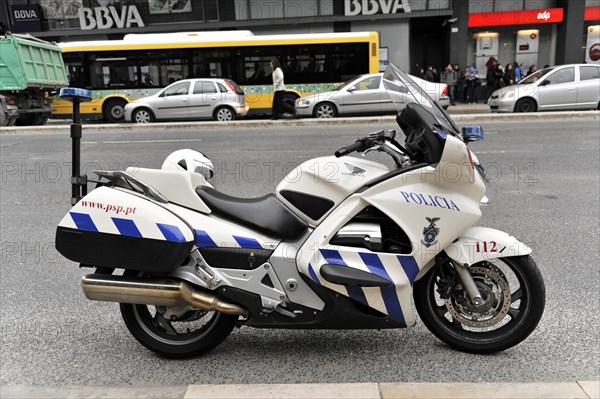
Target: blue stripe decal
171 233
127 227
312 273
246 242
409 264
204 240
83 221
389 294
334 257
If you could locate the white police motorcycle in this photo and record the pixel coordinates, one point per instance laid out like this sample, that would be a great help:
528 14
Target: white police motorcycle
345 243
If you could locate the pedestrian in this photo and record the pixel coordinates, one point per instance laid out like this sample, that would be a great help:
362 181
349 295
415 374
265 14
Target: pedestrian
436 75
450 77
499 76
279 91
531 70
509 75
471 77
517 71
429 76
490 78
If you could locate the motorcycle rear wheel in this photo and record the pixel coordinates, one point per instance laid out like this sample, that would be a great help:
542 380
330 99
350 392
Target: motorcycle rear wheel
514 298
176 333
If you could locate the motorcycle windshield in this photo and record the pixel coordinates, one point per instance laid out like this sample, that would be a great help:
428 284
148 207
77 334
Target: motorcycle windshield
403 90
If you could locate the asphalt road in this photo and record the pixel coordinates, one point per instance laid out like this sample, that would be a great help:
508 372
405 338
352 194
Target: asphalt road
547 177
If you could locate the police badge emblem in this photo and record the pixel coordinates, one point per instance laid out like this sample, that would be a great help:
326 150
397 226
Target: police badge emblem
430 232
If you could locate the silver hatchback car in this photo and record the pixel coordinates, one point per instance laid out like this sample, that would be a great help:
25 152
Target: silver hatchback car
363 95
562 87
191 99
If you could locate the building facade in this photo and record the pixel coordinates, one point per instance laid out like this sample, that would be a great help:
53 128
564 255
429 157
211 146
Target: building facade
413 33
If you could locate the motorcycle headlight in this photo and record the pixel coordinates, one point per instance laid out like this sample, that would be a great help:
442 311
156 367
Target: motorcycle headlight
508 95
302 102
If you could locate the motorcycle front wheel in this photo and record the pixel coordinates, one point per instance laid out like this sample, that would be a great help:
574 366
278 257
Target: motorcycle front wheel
176 332
513 295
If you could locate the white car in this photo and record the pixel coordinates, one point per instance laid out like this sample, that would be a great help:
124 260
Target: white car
562 87
364 95
218 99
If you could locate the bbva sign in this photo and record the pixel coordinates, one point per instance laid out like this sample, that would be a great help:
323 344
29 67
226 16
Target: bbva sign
371 7
107 17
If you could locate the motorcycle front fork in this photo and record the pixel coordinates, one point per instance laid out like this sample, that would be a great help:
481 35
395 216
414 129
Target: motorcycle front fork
448 282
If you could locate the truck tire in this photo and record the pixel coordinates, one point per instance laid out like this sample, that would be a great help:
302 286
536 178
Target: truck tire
5 120
25 120
39 119
114 110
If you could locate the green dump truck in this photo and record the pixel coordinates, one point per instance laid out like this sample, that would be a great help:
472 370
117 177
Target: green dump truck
30 68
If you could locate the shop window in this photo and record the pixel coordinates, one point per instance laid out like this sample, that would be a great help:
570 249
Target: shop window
326 7
266 9
566 75
589 72
538 4
275 9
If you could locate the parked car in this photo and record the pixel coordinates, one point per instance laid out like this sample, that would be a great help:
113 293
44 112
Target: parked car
562 87
218 99
364 95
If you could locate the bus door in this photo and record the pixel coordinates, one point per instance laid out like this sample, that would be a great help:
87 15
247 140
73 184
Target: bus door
174 102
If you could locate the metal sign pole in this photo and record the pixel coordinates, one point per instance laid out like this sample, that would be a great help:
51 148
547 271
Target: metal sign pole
78 181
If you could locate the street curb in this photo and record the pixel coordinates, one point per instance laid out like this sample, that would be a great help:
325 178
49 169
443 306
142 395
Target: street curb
401 390
285 123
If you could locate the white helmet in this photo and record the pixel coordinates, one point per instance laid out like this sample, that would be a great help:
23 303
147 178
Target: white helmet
190 160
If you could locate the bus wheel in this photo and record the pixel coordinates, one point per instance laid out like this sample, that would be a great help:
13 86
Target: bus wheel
325 110
289 100
114 110
142 115
224 114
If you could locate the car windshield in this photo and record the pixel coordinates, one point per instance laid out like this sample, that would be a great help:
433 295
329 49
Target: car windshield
403 90
534 77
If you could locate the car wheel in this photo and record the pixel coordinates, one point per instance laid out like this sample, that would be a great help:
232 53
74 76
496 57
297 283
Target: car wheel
142 115
224 114
525 105
114 110
325 110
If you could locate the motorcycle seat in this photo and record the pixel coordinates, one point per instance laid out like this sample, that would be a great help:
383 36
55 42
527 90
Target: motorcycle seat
267 214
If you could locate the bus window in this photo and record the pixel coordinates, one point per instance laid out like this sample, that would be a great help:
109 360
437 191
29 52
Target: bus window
164 67
113 70
75 69
211 63
349 60
252 65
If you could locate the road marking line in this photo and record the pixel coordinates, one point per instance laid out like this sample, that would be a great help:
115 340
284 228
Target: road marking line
152 141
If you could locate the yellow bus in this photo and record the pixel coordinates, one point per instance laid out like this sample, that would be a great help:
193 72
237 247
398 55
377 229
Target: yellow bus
119 71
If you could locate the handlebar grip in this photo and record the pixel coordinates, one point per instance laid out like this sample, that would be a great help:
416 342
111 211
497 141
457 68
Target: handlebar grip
358 146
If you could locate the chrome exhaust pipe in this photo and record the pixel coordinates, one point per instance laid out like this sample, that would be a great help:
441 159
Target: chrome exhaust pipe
108 288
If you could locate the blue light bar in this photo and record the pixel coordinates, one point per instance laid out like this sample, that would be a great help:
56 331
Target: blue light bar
75 94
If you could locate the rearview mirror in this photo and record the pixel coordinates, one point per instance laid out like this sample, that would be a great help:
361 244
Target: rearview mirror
545 83
472 133
351 89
